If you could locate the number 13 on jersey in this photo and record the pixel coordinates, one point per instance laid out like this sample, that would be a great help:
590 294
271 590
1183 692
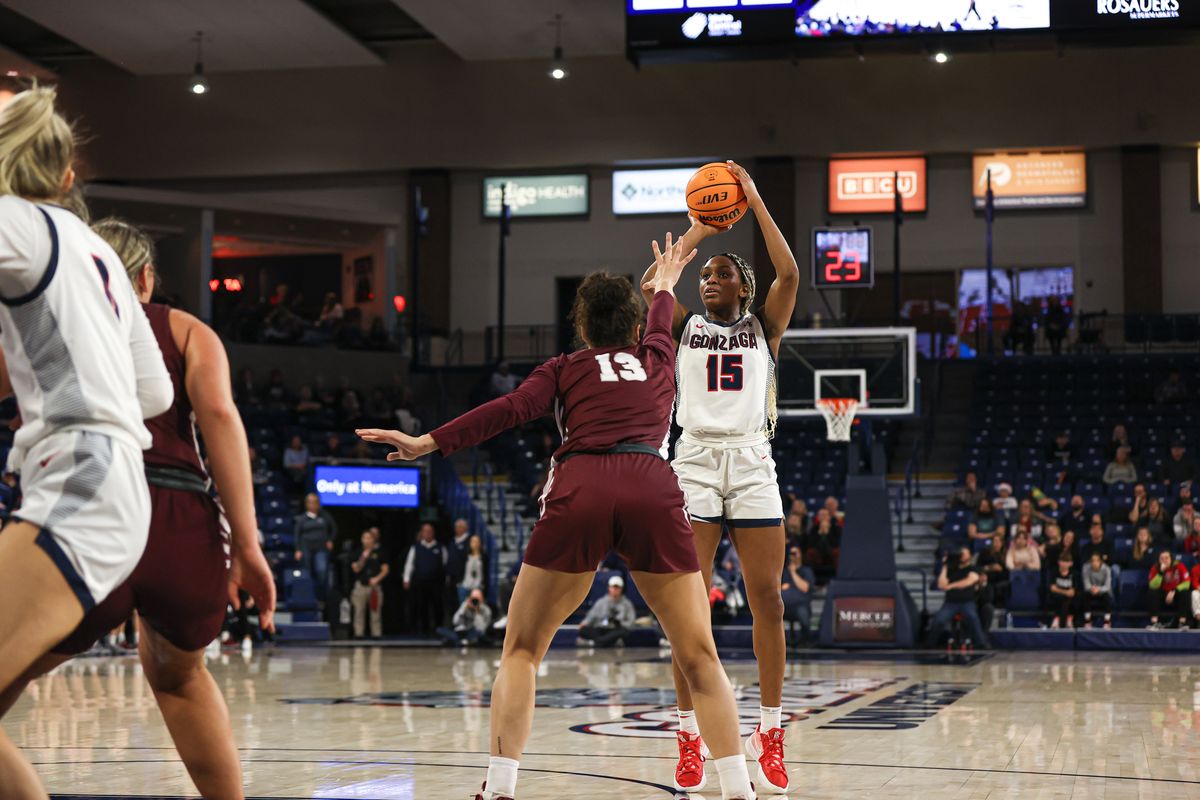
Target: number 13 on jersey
630 368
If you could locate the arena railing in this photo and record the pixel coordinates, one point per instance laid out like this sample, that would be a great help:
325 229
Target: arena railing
1096 333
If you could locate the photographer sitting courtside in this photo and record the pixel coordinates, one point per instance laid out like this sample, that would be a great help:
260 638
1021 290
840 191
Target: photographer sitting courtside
959 580
472 622
609 619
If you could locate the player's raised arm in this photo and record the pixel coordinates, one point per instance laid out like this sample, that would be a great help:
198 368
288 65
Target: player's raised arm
695 234
781 298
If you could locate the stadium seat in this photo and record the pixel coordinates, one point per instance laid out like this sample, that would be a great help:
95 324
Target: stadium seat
1025 591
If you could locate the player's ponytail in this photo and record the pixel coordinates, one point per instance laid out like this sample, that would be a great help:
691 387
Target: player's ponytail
130 243
607 311
37 147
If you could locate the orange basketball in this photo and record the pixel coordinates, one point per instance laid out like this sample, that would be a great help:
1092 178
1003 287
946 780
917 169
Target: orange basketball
715 197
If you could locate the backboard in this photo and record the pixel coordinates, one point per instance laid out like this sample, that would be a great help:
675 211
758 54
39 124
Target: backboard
876 366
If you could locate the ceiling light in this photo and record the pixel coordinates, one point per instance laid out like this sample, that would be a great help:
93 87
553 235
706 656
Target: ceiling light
941 57
558 65
199 84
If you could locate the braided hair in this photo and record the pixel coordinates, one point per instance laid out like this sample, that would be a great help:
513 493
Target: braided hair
747 273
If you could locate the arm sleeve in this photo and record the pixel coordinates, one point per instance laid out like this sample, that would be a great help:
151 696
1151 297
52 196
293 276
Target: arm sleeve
532 399
626 614
460 617
1185 580
1156 580
155 391
1106 574
657 337
408 563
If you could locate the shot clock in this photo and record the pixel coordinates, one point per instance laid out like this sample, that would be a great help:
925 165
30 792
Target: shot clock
842 259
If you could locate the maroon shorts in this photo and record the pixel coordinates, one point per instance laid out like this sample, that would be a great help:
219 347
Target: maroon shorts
628 502
179 586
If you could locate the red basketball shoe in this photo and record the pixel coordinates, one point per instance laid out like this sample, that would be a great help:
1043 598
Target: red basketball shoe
484 794
767 750
689 772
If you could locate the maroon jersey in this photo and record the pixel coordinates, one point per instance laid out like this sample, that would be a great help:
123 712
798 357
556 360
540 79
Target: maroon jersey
174 430
601 397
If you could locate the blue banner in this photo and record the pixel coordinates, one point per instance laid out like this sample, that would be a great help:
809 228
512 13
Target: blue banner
378 487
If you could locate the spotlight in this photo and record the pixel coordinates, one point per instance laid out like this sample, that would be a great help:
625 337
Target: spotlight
558 65
199 84
941 57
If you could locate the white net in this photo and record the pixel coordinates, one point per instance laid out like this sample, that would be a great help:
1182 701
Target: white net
839 417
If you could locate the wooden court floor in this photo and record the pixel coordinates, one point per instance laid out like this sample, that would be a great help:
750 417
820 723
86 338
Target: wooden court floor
391 723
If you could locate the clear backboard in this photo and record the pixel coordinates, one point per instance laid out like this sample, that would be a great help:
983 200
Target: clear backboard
876 366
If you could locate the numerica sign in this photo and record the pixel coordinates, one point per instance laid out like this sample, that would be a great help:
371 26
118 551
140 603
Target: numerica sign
868 185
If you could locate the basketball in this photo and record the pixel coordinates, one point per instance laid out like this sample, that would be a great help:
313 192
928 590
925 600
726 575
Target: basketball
715 197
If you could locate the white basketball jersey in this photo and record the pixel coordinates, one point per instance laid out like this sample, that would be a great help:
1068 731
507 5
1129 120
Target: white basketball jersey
722 372
68 323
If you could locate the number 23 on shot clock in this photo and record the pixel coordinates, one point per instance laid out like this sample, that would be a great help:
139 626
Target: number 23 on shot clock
842 258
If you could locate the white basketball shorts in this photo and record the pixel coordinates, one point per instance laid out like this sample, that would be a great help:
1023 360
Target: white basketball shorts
729 480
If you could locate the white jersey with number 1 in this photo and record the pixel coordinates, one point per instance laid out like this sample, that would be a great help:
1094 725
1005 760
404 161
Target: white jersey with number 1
723 371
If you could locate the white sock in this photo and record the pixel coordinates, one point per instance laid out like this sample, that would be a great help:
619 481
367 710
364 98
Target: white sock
687 722
502 776
735 779
770 718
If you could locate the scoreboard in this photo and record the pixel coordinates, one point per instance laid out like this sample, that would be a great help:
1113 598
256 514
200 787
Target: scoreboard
842 258
733 28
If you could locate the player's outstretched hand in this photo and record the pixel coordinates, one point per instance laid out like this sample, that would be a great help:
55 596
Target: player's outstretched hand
669 262
407 447
753 198
249 570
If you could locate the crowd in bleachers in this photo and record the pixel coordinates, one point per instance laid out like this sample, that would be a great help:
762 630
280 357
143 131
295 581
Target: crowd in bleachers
1076 492
285 318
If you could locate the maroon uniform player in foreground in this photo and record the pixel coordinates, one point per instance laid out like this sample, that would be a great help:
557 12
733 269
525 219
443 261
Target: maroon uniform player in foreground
191 566
610 487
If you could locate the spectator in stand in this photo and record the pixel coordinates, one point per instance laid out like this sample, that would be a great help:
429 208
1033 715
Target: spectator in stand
333 447
1098 544
1063 593
314 532
362 452
1170 591
1022 555
1120 469
295 461
474 568
370 568
276 393
609 619
424 577
1178 469
456 559
958 579
1096 582
1120 438
1077 518
1143 555
1159 524
1182 524
351 408
503 381
1194 578
796 587
1044 507
1004 504
800 508
794 528
986 523
331 314
1051 545
1057 321
306 402
259 473
472 623
1070 546
968 496
1183 497
1061 452
1191 543
1172 391
835 513
823 546
378 409
1026 521
245 390
993 591
378 337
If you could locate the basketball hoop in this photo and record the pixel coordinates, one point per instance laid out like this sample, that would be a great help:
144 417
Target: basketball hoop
839 416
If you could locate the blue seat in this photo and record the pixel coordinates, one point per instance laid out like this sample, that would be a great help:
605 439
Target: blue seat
1131 590
276 524
1025 591
300 593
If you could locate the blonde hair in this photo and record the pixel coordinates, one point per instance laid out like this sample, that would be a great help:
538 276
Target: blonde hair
744 306
37 146
131 244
